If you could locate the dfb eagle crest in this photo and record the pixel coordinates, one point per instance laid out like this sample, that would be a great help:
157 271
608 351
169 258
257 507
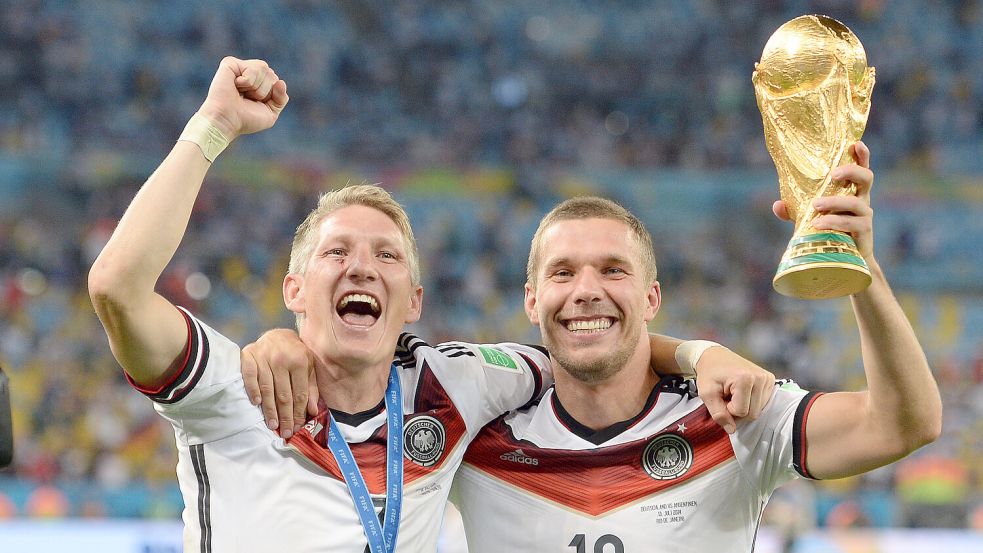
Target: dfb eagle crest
667 456
423 440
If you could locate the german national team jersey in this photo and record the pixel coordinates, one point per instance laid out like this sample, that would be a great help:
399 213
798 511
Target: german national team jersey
246 490
669 480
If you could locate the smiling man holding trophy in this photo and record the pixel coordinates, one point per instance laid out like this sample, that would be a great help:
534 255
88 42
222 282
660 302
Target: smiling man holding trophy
813 88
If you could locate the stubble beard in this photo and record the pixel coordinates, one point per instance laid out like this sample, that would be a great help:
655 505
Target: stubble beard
592 370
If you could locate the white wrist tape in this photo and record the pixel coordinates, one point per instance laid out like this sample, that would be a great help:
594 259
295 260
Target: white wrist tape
203 132
689 352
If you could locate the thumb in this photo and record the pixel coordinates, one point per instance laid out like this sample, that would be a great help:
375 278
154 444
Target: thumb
780 209
717 407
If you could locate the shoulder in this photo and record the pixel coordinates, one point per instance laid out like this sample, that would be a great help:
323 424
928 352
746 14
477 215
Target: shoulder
505 356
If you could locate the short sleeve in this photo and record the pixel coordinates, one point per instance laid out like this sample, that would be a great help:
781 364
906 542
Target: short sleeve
771 449
205 400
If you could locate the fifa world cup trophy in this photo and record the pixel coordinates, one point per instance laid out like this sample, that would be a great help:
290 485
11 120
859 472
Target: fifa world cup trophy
813 88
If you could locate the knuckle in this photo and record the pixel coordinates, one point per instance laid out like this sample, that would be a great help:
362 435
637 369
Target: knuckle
298 359
283 398
276 358
282 358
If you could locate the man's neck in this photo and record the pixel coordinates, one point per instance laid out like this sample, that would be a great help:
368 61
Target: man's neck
598 405
351 391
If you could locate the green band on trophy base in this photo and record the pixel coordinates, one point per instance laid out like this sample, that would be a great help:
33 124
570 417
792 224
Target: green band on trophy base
820 266
821 236
841 258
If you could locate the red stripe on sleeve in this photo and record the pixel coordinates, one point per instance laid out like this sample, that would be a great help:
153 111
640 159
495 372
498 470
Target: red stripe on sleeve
173 372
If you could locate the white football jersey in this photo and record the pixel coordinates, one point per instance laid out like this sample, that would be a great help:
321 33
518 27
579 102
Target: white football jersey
668 480
246 490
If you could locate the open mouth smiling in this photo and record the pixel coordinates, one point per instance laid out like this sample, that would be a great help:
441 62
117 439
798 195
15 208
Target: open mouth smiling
359 309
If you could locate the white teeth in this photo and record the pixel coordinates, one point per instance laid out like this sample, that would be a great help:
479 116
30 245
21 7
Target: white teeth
592 324
363 298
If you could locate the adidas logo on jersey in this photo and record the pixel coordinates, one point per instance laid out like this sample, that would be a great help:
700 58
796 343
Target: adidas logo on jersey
519 456
313 426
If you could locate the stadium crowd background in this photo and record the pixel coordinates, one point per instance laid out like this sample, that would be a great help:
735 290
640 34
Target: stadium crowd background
478 115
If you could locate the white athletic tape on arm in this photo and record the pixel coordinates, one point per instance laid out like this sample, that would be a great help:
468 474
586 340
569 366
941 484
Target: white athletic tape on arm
689 352
202 132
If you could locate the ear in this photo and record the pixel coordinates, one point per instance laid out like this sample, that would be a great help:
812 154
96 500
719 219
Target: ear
416 305
530 305
654 297
293 293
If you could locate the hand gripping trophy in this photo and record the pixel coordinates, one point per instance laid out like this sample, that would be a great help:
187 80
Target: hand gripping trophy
813 88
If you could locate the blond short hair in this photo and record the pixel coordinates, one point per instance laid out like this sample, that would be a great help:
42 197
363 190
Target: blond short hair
368 195
592 207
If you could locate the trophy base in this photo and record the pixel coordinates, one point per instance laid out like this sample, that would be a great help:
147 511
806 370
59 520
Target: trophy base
821 266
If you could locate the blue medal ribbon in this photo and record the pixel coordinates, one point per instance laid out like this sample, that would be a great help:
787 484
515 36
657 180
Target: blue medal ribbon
381 540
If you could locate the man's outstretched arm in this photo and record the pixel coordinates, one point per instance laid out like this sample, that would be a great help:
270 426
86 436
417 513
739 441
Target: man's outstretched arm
849 433
146 332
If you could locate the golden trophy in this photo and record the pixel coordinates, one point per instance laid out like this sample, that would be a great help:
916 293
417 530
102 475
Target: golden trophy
813 88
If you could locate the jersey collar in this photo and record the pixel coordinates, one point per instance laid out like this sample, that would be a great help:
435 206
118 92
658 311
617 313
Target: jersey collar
597 437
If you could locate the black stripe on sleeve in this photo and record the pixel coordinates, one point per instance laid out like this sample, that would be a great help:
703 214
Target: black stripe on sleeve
204 497
537 376
192 373
406 347
799 445
405 360
195 356
409 342
403 341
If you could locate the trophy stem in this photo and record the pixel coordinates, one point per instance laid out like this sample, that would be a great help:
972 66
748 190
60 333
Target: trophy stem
821 265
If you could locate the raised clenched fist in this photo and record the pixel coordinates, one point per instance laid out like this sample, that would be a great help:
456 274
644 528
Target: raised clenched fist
245 96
